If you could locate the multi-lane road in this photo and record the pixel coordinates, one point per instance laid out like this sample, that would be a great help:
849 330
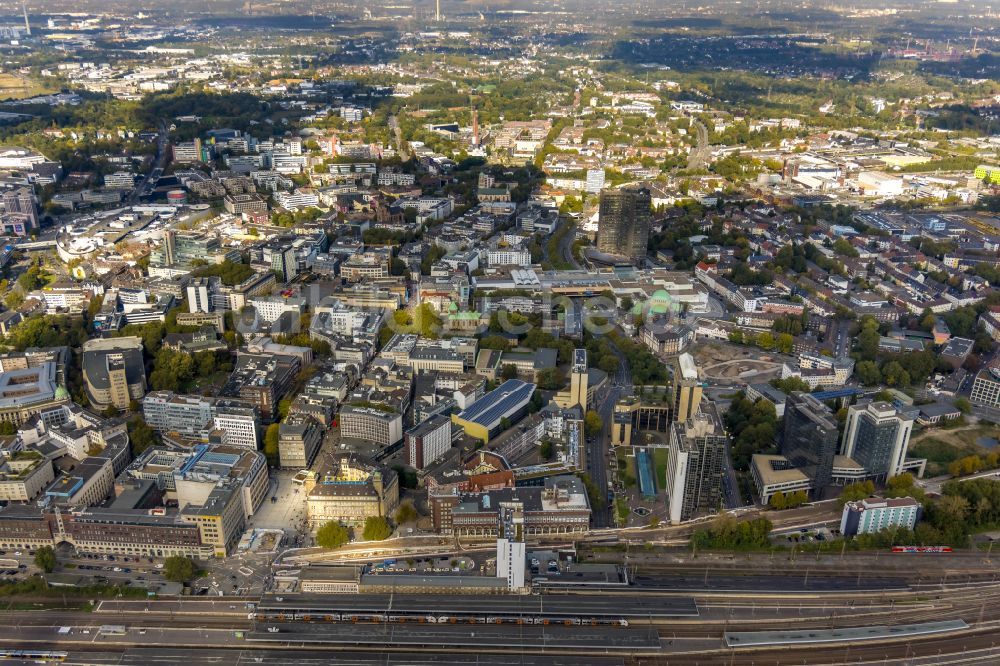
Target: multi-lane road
619 384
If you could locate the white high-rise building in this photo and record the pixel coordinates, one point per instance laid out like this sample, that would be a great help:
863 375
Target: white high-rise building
595 180
199 295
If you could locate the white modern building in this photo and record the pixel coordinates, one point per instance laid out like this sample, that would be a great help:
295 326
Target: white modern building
270 308
509 257
297 199
875 514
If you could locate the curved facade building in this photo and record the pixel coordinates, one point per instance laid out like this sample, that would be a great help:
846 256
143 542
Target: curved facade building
113 371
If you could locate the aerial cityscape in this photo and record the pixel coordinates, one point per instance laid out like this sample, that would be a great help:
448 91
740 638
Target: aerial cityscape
452 332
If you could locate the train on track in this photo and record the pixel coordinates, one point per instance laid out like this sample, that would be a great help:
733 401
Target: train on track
40 656
382 618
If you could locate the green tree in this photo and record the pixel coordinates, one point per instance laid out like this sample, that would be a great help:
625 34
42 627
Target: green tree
376 529
546 450
856 491
784 343
140 435
866 346
551 379
171 370
868 373
45 559
592 423
271 437
725 533
206 364
178 569
332 535
405 513
7 429
895 375
426 321
790 384
231 274
94 306
798 498
508 371
963 405
597 496
927 320
844 248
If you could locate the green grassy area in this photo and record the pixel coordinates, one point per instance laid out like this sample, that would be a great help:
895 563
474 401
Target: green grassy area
626 467
942 447
17 87
660 464
36 586
939 454
621 511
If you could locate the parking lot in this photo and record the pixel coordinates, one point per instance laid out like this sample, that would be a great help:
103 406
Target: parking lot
806 535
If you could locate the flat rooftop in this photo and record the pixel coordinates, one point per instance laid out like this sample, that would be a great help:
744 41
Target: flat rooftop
591 605
847 634
605 639
769 470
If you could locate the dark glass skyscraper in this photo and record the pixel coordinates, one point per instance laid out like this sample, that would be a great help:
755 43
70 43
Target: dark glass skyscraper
623 222
810 439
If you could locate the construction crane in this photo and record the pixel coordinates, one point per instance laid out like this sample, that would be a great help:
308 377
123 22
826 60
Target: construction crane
975 42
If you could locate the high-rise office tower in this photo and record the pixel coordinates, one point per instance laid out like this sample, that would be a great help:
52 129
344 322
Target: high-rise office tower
876 436
810 438
623 222
695 466
578 379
